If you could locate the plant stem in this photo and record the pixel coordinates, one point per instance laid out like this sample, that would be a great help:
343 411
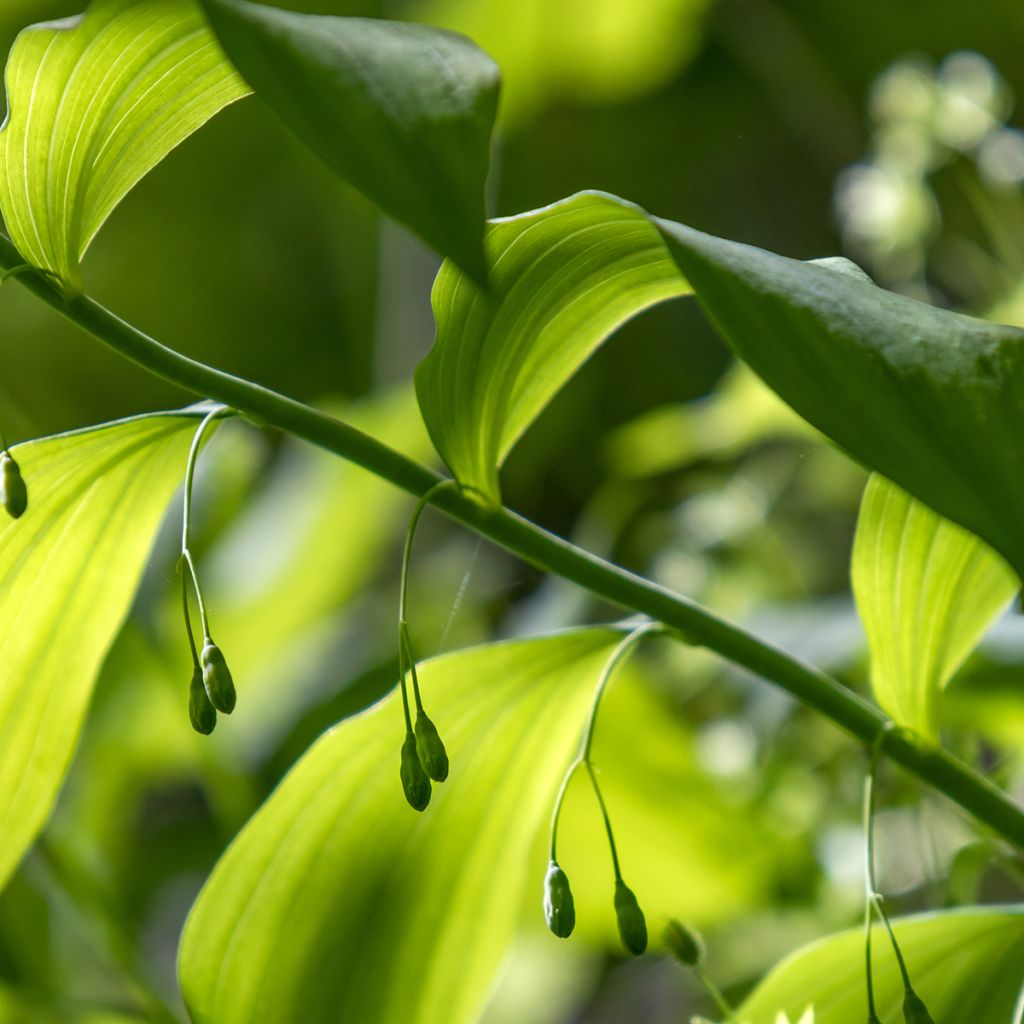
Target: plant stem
549 553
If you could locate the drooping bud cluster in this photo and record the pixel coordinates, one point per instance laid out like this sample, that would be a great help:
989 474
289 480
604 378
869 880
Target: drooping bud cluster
13 492
211 688
559 909
424 757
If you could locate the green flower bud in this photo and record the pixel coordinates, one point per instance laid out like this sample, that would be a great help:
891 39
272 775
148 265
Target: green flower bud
430 749
683 944
220 687
202 714
559 909
632 924
13 492
414 779
914 1010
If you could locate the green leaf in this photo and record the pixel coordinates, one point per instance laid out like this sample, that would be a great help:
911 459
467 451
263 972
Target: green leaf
68 571
926 591
931 399
402 112
563 278
967 965
95 102
339 903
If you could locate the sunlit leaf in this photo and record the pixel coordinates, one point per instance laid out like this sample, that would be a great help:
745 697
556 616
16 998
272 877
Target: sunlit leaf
562 279
548 52
68 572
339 903
967 965
932 399
94 103
402 112
926 591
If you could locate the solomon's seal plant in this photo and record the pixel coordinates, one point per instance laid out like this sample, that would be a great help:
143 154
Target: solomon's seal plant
333 903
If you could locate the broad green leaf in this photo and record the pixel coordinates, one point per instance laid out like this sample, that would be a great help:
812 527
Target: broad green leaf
926 591
95 102
68 572
562 279
402 112
967 965
932 399
338 902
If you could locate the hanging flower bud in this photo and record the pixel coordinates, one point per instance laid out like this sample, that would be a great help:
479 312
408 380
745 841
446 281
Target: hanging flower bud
13 492
414 779
559 908
684 944
632 924
430 749
220 687
202 714
914 1010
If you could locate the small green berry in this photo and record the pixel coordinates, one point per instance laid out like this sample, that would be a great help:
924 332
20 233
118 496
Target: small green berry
430 748
202 714
220 687
683 944
415 781
632 924
13 492
559 908
914 1010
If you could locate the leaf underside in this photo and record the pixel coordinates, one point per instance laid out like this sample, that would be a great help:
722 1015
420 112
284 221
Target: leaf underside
926 591
95 102
68 572
339 903
967 965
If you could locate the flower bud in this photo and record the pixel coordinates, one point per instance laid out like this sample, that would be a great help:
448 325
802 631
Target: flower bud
683 944
914 1010
632 924
202 714
13 492
414 779
559 908
220 687
430 748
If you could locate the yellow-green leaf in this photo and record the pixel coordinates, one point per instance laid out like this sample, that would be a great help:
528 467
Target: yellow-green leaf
967 965
337 902
563 278
68 571
926 591
94 103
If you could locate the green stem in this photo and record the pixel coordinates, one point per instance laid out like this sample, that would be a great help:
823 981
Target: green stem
186 521
717 996
549 553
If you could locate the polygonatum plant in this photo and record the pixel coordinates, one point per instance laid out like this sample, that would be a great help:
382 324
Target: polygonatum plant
335 902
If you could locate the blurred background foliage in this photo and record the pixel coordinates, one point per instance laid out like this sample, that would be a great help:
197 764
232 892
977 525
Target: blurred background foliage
882 131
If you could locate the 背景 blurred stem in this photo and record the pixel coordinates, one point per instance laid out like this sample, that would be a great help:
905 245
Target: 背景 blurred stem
535 545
